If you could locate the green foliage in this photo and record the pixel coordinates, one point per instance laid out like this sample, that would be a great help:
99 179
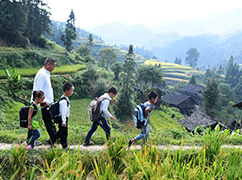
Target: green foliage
117 68
193 80
125 98
213 141
210 96
231 71
147 76
192 57
24 21
107 57
14 84
69 32
178 61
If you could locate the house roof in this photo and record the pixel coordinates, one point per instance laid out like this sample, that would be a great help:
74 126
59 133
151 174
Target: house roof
175 98
197 119
192 88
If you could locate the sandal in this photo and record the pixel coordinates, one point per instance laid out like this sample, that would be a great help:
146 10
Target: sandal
88 143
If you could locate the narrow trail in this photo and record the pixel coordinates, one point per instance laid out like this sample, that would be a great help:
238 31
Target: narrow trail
5 146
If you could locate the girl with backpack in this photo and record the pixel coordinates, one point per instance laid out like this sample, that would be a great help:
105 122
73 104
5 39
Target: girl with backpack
34 118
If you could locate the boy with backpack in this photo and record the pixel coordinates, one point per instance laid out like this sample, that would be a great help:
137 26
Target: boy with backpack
103 110
149 106
64 109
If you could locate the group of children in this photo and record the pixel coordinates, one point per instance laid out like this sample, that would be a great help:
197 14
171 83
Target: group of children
34 117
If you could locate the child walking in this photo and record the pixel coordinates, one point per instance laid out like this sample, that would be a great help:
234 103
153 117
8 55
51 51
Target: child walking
112 92
144 134
64 109
34 118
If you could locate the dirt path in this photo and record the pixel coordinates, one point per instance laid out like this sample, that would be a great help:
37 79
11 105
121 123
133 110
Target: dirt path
5 146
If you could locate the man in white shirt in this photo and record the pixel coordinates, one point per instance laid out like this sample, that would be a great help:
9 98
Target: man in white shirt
42 82
112 92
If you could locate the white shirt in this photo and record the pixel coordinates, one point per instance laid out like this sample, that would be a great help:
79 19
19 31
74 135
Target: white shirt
64 109
42 82
104 106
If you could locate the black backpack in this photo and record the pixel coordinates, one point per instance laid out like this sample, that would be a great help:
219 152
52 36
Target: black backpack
138 115
94 109
55 112
23 115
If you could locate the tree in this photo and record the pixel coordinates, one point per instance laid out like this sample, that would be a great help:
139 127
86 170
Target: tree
210 96
117 68
231 71
192 57
90 41
178 61
107 57
69 32
13 22
85 53
125 98
147 76
193 80
38 22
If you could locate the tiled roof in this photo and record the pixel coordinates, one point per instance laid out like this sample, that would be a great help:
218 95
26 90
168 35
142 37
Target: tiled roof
197 119
192 88
175 98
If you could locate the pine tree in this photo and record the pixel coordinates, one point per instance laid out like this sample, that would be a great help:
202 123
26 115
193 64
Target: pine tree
124 107
69 32
210 96
90 41
193 80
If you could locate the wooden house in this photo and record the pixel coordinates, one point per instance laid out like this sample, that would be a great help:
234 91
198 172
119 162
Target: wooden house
186 104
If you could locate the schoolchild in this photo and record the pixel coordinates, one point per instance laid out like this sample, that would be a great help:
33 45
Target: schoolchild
111 93
144 134
35 121
64 109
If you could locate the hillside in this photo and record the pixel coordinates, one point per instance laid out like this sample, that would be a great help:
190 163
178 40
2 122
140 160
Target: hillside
174 73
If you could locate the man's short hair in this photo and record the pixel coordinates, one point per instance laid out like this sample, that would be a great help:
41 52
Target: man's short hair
67 86
113 90
49 60
152 94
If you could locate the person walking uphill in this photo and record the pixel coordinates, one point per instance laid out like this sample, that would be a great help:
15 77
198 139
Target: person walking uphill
42 82
64 109
112 92
149 106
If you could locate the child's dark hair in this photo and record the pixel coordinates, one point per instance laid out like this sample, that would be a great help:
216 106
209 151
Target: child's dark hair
67 86
113 90
37 94
152 94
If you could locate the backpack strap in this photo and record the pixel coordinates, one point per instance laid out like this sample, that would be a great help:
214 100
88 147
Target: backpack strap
101 100
34 107
64 99
140 114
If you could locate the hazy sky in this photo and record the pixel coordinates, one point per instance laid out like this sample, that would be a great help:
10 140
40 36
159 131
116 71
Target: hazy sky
90 13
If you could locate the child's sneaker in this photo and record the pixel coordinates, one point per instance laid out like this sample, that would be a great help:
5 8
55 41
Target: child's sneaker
25 143
130 143
29 147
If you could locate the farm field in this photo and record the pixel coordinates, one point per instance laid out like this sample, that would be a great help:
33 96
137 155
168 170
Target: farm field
31 72
174 72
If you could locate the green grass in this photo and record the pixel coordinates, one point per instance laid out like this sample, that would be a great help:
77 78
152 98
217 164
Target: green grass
31 72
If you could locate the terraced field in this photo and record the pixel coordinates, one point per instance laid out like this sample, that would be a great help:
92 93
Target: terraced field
174 72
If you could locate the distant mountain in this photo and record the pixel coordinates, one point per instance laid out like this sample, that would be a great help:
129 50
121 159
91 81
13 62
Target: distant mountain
216 37
118 33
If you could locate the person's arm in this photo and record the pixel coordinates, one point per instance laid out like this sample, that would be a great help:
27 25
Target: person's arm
146 111
63 111
31 110
105 104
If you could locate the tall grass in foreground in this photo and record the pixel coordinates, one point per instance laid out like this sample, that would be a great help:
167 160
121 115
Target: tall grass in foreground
119 162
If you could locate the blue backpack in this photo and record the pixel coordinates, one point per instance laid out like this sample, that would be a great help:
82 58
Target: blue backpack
138 115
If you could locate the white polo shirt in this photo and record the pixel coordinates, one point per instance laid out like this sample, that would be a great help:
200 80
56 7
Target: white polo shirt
42 82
